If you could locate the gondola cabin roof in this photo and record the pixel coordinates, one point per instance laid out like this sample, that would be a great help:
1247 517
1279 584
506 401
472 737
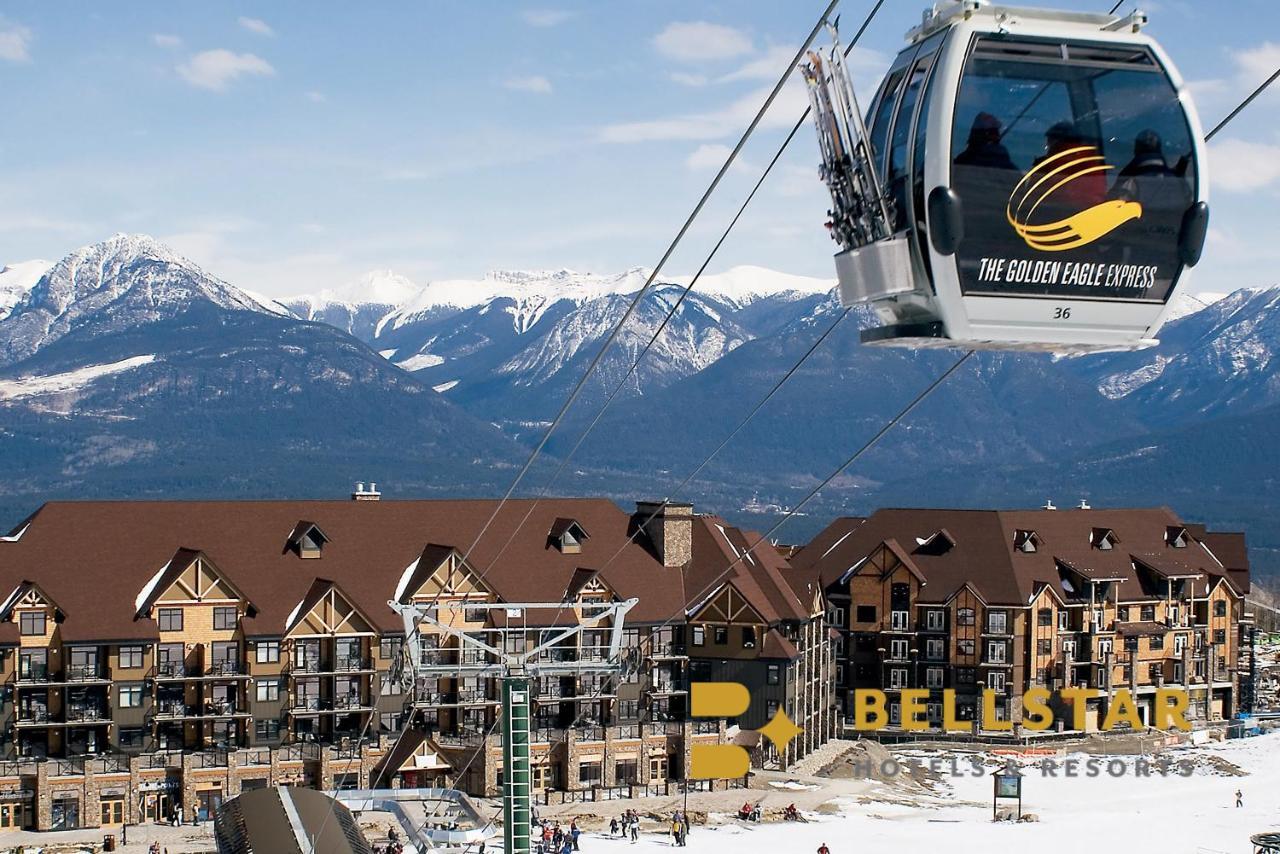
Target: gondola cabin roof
944 15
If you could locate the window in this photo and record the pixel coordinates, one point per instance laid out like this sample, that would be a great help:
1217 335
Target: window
965 676
839 676
1131 644
1220 608
895 714
130 657
996 680
933 677
900 621
748 637
1122 613
169 619
268 690
1021 103
996 652
131 737
897 677
936 621
1104 646
774 674
997 622
33 663
267 652
964 617
1044 617
1044 646
1064 621
1148 613
1219 636
699 635
866 614
590 773
1042 676
771 709
1156 642
389 648
898 649
130 696
224 617
658 767
268 729
935 648
965 647
836 616
31 622
479 615
387 686
900 139
1173 615
720 635
1179 644
1099 616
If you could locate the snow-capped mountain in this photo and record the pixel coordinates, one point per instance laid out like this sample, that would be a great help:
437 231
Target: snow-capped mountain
128 370
1220 360
16 280
108 286
357 307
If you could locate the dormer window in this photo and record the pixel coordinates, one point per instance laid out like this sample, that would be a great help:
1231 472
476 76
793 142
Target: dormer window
567 535
1026 541
1176 537
307 540
938 543
1103 539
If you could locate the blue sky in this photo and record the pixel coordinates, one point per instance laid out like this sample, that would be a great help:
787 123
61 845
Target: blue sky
291 146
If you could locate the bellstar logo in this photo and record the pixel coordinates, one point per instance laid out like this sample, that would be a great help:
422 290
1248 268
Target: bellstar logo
728 700
1059 172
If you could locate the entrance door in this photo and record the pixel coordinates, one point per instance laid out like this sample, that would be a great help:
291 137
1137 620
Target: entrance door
207 804
11 816
112 812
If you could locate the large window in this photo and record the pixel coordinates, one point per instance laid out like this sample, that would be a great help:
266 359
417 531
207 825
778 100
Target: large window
699 635
1044 132
866 614
268 690
169 619
130 696
224 617
130 657
31 622
267 652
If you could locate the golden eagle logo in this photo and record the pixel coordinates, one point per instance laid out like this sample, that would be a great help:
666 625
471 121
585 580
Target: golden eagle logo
1054 173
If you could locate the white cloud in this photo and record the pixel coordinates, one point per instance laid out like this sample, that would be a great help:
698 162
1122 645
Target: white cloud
1252 66
545 17
684 78
1241 166
767 66
167 41
316 97
257 26
716 124
1258 63
537 84
215 69
708 156
698 41
15 40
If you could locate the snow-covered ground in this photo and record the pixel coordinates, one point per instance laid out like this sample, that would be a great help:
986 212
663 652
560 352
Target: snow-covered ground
34 386
1171 815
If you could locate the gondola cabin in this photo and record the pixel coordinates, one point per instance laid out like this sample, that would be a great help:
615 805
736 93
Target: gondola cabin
1024 179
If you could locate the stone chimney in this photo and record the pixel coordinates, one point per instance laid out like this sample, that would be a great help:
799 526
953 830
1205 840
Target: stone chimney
670 530
360 493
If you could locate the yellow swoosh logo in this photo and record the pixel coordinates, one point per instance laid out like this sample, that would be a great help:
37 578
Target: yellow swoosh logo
1079 229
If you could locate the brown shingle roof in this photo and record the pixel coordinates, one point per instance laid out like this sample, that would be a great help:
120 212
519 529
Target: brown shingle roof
762 578
984 553
94 558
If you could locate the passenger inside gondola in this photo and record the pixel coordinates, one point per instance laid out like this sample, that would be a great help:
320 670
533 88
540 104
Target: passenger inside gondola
1088 187
984 147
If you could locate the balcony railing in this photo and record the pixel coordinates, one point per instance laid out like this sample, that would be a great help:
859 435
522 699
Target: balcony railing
669 649
83 672
305 704
706 727
299 752
352 701
162 759
86 713
172 709
225 667
33 714
310 665
219 707
348 664
209 759
171 669
66 767
547 735
590 733
254 756
628 730
34 673
460 738
110 763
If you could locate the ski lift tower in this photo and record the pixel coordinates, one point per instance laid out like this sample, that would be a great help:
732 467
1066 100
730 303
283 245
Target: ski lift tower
514 662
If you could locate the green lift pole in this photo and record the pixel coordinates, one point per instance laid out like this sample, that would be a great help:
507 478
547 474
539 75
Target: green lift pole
517 806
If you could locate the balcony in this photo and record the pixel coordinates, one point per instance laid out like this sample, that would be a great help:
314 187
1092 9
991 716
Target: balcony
86 714
171 670
706 727
351 664
33 674
591 732
546 735
225 667
84 673
310 665
627 730
33 715
110 763
210 759
163 759
305 704
669 650
254 756
348 702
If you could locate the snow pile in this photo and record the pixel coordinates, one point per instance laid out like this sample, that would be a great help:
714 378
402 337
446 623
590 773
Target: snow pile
35 386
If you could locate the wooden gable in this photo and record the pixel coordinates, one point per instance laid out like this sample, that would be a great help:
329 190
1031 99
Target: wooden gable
199 581
28 596
727 605
446 573
326 610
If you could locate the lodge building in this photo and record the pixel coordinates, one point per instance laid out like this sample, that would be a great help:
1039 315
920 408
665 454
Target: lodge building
1004 601
159 657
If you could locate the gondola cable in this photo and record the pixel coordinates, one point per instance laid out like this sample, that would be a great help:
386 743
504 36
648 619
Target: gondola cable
676 307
